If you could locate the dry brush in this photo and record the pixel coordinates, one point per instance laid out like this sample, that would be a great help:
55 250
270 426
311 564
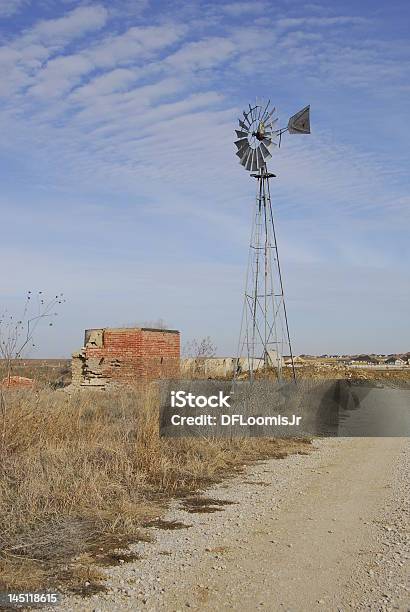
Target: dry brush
81 474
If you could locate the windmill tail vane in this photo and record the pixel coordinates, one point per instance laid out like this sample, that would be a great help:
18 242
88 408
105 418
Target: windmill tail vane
300 123
264 338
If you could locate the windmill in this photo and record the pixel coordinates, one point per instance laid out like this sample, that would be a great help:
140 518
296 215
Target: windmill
264 337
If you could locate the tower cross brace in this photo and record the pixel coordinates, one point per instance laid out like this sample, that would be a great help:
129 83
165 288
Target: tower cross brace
264 336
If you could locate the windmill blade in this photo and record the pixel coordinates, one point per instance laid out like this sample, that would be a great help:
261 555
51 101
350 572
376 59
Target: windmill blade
240 142
265 109
244 145
241 134
267 142
251 109
243 126
255 161
242 150
265 151
261 161
245 158
270 125
250 160
246 118
251 166
268 115
270 135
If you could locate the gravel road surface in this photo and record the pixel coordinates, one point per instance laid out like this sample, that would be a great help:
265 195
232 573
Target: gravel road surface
326 531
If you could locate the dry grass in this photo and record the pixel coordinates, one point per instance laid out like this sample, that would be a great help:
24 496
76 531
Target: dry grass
322 371
52 373
81 474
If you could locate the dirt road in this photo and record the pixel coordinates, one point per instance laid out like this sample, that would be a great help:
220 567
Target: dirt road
327 531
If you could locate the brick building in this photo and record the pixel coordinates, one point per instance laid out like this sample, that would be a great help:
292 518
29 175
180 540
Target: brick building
126 355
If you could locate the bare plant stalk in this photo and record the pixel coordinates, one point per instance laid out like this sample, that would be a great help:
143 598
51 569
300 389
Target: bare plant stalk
200 349
16 338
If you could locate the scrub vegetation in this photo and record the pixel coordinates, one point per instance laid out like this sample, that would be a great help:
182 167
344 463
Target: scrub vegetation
83 475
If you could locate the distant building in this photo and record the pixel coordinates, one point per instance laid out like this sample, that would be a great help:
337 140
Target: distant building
363 360
398 361
126 355
222 367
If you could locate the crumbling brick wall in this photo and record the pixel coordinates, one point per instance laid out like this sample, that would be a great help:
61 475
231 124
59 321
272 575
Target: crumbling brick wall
126 355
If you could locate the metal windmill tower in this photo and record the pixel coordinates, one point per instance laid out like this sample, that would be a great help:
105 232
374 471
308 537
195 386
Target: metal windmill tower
264 338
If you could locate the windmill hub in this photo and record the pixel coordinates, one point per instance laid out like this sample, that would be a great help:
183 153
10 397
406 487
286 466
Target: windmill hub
256 135
260 133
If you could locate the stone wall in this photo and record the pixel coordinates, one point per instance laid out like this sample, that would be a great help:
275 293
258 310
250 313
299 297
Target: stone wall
224 367
126 355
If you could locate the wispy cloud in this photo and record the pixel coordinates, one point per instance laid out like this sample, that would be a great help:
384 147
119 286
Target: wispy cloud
64 29
10 7
62 72
23 58
322 22
135 112
237 9
204 54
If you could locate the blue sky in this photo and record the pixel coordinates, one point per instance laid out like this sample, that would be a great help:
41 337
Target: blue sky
120 186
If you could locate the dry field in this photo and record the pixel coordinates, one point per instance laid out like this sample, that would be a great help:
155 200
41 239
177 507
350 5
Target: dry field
46 372
322 370
83 474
